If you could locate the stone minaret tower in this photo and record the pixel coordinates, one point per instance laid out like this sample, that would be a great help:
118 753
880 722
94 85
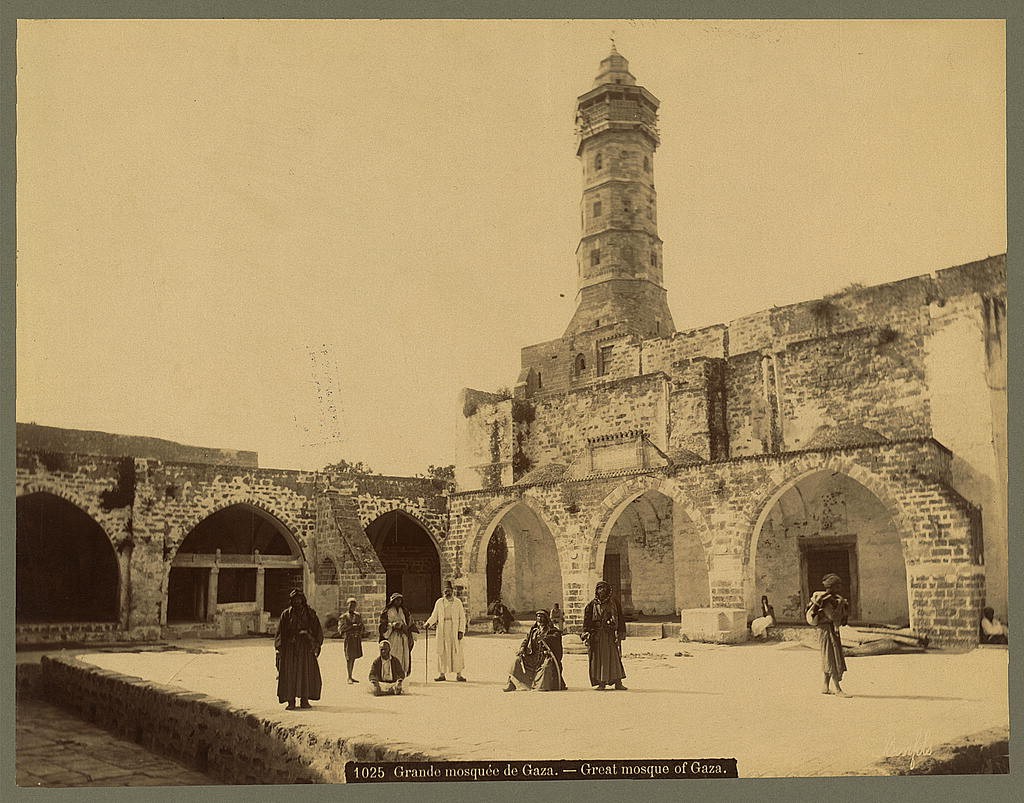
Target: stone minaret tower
619 268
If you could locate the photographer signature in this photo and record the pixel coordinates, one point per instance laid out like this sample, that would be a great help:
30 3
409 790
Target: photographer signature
918 748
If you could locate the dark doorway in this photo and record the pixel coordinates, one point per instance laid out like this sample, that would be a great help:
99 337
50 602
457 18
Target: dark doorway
497 554
279 583
66 567
412 566
613 574
187 590
838 559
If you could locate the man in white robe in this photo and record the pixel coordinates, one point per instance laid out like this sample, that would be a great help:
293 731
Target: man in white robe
449 617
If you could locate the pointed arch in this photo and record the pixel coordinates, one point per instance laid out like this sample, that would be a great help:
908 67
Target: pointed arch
66 565
867 546
287 530
660 559
410 555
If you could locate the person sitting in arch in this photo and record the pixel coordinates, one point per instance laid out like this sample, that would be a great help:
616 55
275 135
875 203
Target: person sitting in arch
992 630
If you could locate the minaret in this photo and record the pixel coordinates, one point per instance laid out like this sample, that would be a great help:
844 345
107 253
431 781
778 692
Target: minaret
619 270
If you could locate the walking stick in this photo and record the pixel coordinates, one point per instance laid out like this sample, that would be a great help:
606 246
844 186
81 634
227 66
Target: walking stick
426 652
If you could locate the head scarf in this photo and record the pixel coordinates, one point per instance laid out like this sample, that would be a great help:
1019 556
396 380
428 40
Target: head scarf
395 596
296 592
830 580
599 586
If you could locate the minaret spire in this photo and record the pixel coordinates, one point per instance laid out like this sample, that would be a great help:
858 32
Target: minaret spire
619 267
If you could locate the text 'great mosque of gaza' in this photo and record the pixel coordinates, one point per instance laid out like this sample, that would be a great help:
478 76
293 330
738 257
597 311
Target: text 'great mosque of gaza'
696 470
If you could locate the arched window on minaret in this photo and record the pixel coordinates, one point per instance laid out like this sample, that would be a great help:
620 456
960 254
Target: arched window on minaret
580 364
647 165
598 161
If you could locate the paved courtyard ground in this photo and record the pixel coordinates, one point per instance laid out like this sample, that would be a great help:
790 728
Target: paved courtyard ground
759 703
54 748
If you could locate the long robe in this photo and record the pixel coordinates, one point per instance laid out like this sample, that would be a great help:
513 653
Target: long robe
298 673
450 617
605 629
833 612
539 663
350 628
397 627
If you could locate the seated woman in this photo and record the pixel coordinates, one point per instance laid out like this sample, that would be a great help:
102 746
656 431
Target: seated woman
538 664
992 630
759 627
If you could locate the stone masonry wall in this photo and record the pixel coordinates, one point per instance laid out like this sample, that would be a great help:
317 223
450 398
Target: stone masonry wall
147 508
562 425
728 502
203 732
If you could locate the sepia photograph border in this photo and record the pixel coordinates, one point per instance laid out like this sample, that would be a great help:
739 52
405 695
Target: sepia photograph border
841 788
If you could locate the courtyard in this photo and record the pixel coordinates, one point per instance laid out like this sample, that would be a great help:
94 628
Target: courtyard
757 702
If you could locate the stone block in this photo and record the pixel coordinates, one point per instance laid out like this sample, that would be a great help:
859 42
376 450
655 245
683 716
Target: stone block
718 625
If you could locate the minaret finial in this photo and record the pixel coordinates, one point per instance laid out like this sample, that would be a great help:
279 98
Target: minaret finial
612 37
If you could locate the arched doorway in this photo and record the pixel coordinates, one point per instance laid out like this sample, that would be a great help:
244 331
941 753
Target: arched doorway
654 559
828 522
412 565
241 560
66 566
522 562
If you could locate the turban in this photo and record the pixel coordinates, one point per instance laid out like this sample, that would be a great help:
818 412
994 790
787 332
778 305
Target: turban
604 584
350 600
830 580
447 584
382 642
296 592
395 596
543 613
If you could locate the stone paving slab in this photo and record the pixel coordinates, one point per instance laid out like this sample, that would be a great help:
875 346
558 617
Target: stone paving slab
759 703
53 748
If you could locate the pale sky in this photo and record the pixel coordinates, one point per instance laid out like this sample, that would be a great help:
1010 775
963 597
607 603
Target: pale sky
200 203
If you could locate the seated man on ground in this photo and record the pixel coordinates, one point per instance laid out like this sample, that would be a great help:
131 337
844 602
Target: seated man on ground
386 673
992 630
501 616
538 663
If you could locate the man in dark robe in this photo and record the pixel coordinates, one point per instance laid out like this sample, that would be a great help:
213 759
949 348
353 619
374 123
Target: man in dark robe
350 628
603 632
501 616
386 673
298 641
538 664
828 611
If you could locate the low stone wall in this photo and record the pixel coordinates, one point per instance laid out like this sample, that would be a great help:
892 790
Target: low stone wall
68 633
208 734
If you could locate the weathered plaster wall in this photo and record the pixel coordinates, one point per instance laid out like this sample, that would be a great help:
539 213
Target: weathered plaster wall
486 442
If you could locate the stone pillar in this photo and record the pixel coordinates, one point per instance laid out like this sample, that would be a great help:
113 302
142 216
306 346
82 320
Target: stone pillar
165 592
726 577
124 570
946 601
475 584
211 594
260 580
